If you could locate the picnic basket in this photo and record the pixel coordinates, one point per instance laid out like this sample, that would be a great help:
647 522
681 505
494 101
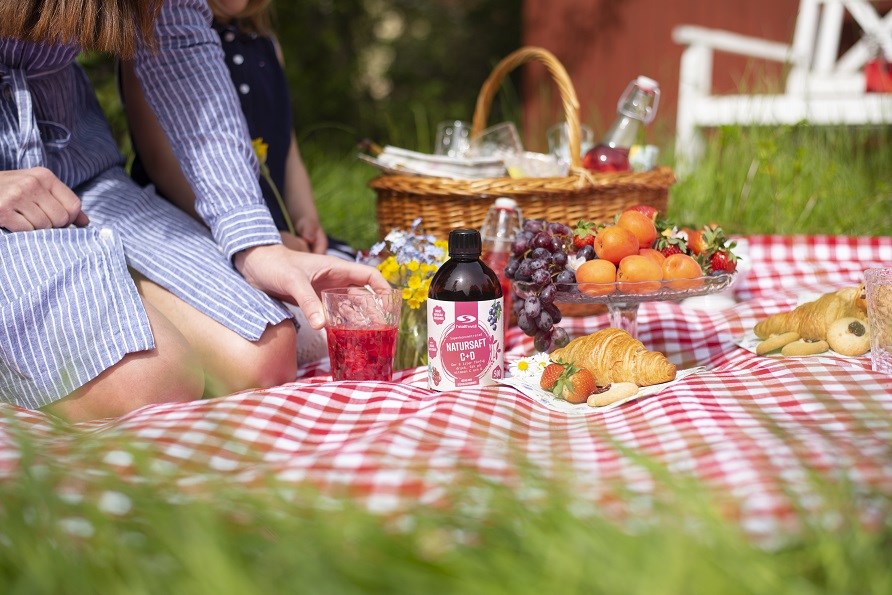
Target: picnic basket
445 204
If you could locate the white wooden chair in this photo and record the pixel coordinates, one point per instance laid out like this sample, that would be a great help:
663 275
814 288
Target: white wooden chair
821 86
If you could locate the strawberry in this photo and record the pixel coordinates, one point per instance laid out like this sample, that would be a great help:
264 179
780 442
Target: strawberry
550 375
577 386
722 261
668 245
583 235
718 257
568 382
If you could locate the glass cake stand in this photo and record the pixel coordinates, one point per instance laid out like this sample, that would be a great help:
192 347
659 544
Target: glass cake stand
622 299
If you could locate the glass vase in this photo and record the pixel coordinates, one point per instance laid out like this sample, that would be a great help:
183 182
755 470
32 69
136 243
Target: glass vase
411 341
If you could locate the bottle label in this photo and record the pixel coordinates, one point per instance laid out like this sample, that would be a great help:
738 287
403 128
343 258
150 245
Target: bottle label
465 343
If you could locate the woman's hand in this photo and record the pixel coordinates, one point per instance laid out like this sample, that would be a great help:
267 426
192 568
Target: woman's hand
298 277
36 199
293 242
310 230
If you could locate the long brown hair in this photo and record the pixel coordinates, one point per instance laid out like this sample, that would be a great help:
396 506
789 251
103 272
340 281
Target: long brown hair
256 18
114 26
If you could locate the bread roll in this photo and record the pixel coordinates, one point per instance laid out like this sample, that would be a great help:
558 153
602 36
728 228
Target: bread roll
812 320
613 355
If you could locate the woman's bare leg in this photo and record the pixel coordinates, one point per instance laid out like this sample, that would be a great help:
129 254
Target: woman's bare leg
169 373
231 363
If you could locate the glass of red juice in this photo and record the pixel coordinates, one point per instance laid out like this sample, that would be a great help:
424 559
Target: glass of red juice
362 325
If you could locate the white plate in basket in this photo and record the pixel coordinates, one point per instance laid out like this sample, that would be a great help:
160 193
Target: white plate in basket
406 162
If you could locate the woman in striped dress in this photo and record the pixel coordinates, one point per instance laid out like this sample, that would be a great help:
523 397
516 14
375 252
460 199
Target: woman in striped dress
110 297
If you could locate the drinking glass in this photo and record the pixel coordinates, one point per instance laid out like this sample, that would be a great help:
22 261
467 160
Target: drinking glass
499 140
559 141
453 138
878 285
361 324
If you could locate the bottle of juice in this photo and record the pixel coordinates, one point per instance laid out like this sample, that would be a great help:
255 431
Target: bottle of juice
465 318
636 108
497 233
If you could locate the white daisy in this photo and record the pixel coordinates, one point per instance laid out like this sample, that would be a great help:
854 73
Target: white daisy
529 369
574 262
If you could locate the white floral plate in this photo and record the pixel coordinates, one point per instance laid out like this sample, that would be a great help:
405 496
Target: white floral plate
529 386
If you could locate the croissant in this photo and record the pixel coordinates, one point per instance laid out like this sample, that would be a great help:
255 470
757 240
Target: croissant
613 355
812 320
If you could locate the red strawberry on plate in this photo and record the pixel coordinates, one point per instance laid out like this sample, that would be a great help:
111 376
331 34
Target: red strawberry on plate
577 385
550 375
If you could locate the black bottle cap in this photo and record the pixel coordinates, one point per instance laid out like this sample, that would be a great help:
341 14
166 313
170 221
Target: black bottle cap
464 242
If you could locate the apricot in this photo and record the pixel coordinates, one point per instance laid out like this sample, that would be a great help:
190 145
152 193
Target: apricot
654 255
614 243
646 209
639 274
696 241
639 224
682 272
596 277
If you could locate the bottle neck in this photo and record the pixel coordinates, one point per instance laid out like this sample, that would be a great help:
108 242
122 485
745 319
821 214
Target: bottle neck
623 133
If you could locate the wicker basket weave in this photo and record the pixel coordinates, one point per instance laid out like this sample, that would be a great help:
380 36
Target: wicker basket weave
445 204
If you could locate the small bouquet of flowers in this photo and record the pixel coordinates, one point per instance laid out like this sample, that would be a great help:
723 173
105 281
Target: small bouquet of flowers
408 260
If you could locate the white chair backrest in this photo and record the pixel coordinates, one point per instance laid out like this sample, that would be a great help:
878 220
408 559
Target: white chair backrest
815 63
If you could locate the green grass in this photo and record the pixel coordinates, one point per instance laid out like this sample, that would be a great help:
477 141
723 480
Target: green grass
792 179
345 203
154 537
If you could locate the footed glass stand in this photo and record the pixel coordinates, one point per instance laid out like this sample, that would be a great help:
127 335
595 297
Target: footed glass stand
622 299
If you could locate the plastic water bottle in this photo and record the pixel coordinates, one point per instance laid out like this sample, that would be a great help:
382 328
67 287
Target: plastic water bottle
465 319
501 225
636 108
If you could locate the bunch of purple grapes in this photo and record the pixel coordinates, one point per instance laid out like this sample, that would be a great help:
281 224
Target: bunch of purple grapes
539 259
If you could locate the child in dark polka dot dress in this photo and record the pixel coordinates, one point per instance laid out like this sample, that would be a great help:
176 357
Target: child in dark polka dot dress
255 66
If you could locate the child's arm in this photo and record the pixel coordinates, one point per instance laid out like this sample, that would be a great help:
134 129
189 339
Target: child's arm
299 201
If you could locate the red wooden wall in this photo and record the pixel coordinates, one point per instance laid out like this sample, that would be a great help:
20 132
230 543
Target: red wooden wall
604 44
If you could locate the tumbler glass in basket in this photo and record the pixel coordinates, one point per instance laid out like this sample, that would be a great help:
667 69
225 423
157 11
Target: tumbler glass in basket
559 141
497 141
453 138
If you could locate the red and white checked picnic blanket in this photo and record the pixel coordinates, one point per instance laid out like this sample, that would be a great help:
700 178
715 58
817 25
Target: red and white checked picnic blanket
753 428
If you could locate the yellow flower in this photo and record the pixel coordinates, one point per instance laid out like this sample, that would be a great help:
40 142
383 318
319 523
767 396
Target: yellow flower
415 275
390 269
260 149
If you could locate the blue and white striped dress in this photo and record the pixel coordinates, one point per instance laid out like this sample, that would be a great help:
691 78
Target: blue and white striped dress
68 306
